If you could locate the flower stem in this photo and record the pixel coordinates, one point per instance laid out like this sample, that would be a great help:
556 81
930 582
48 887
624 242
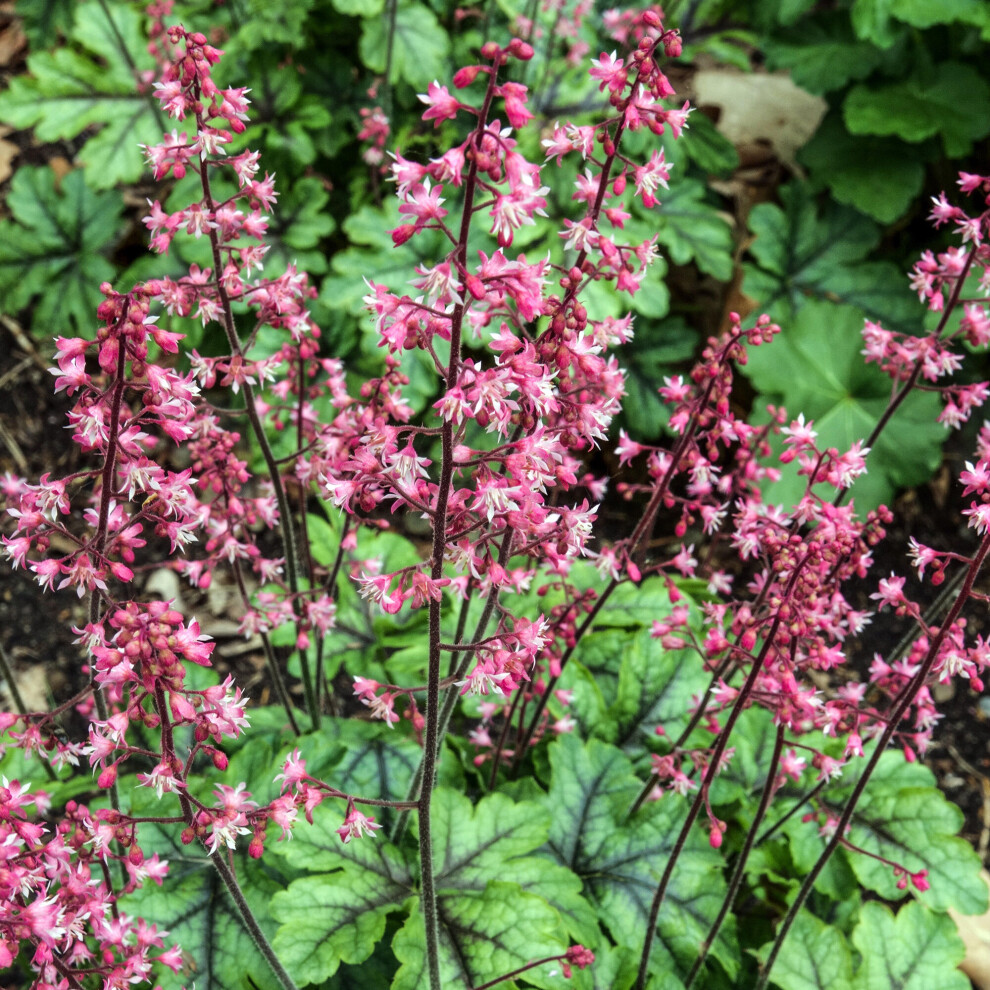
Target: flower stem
740 867
907 696
250 922
257 427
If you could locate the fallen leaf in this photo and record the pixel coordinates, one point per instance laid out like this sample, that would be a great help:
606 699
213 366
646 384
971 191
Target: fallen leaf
975 933
760 107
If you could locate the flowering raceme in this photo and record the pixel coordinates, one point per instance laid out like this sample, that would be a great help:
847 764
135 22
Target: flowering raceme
497 465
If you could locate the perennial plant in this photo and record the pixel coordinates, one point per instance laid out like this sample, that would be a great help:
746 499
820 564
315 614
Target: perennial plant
654 731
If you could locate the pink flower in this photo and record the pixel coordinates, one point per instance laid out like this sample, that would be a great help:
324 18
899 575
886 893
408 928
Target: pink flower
610 71
356 825
442 106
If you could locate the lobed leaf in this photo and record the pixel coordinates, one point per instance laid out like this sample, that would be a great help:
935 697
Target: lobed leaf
916 950
54 248
848 165
71 89
815 367
196 910
800 256
480 933
950 105
814 956
419 45
620 861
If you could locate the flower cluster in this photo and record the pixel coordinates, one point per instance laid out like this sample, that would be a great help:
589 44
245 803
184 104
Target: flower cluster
528 385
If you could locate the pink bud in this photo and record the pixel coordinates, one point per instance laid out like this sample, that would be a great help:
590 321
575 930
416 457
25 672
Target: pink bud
402 234
182 710
467 75
107 778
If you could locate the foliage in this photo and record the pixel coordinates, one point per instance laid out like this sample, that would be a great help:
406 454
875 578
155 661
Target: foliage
817 369
54 249
904 70
507 747
87 83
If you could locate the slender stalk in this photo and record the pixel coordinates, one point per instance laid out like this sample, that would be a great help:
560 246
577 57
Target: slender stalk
544 698
15 695
8 676
740 867
450 698
257 427
273 666
217 858
810 796
125 54
391 14
907 696
250 922
909 384
517 972
103 515
431 746
713 764
331 588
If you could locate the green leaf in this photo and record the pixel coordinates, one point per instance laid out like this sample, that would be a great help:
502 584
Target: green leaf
337 916
917 950
601 653
419 45
359 8
814 956
263 24
54 248
656 686
711 151
342 910
646 359
71 89
872 22
43 21
372 257
904 818
482 935
693 230
878 176
475 845
620 861
915 827
801 256
378 762
301 222
924 13
815 367
949 104
822 54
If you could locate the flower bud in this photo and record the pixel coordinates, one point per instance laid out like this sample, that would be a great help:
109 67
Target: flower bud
467 75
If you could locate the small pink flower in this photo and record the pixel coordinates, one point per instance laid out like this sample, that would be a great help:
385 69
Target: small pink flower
356 825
